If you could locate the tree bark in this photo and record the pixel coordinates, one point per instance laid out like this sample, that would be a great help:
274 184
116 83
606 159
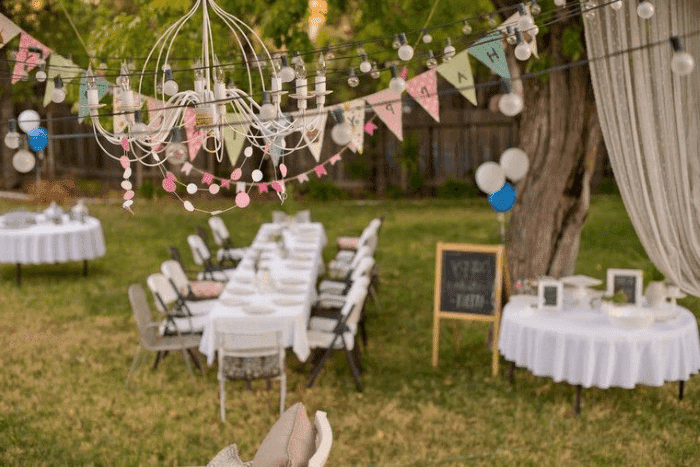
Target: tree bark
9 175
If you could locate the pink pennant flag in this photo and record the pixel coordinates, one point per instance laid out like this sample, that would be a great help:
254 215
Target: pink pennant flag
187 168
320 170
423 88
194 137
207 178
27 59
334 159
303 178
277 186
262 187
387 105
226 183
370 127
403 73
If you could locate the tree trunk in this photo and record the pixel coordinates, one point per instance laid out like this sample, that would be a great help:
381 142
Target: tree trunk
559 131
9 175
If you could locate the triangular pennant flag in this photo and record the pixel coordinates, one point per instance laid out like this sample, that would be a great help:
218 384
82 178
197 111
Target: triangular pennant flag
195 138
303 178
489 51
355 116
458 72
320 170
276 150
387 105
235 137
8 30
423 89
102 90
514 22
314 136
370 127
27 59
59 66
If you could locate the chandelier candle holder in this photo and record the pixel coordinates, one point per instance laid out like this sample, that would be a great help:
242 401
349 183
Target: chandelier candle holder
216 105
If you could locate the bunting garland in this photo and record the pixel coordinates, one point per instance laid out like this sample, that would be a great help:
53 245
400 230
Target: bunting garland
458 72
355 116
234 138
489 51
59 66
423 89
8 30
28 56
387 106
314 136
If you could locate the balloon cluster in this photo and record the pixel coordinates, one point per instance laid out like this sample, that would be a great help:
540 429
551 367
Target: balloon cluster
28 121
491 178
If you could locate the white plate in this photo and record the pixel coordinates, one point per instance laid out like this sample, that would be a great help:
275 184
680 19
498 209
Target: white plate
239 291
299 257
581 281
234 301
290 291
526 300
664 313
630 317
291 281
243 279
286 301
306 239
258 310
299 266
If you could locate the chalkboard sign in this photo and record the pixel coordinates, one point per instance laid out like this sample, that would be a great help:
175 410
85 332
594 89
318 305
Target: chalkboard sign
550 294
468 286
629 281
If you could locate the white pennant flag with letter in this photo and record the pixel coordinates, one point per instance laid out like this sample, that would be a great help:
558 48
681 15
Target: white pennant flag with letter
314 135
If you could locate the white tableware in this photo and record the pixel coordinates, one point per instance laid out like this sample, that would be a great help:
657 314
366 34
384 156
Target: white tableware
243 279
291 281
525 300
581 294
258 310
287 301
300 257
290 290
240 291
655 293
299 266
629 317
306 239
234 301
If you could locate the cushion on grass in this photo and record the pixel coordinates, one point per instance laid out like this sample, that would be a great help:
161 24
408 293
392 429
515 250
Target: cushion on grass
290 442
227 457
204 289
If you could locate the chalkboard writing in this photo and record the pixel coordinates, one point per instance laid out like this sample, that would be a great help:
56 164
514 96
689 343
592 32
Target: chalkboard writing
467 282
550 295
626 284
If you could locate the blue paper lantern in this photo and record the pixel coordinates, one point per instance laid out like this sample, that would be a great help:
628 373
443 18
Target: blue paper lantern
38 138
503 199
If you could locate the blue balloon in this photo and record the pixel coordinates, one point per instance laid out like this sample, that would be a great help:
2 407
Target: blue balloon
38 138
503 199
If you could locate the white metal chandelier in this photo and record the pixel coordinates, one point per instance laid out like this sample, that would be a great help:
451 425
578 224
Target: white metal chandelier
217 105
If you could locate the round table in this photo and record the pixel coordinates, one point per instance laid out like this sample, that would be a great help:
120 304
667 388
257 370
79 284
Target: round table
580 346
47 242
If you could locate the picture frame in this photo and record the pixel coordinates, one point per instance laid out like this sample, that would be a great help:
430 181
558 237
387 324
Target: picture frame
550 295
629 281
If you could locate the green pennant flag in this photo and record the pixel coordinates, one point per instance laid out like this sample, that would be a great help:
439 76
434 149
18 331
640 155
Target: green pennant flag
458 72
59 66
489 51
234 138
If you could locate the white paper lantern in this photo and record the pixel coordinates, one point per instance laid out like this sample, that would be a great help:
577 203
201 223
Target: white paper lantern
490 177
23 161
28 120
515 163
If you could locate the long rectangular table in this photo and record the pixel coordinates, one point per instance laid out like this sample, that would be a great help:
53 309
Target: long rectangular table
294 292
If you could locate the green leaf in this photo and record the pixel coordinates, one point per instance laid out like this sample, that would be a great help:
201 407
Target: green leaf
571 42
181 5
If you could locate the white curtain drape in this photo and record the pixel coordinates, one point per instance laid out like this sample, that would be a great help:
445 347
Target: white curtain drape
649 118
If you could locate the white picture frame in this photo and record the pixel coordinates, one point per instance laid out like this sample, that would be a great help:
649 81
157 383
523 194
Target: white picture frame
545 301
637 275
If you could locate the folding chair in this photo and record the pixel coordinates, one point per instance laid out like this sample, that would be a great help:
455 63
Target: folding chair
181 315
228 252
187 289
202 257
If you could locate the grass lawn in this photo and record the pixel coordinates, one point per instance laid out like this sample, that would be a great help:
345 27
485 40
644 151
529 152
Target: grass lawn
67 343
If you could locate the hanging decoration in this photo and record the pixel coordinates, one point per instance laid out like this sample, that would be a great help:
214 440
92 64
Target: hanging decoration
387 106
423 89
234 138
99 84
30 53
8 30
489 51
59 66
314 136
458 72
355 115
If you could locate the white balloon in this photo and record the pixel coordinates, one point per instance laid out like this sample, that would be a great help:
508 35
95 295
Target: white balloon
515 163
257 175
490 177
23 161
28 120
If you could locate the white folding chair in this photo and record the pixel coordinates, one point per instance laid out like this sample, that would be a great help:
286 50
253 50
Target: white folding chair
202 257
227 250
324 440
248 355
187 317
187 289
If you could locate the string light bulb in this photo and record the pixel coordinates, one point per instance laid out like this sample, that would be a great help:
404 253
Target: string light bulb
267 110
682 63
321 65
560 2
523 52
510 36
397 83
466 28
645 9
58 94
353 80
492 21
176 152
12 138
286 73
449 50
431 63
365 65
170 86
510 104
41 74
535 9
396 43
341 133
374 72
427 38
139 130
526 22
405 51
616 5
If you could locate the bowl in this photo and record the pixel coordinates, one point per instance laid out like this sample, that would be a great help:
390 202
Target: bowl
629 317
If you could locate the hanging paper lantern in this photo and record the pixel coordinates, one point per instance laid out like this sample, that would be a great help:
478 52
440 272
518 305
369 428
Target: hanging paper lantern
503 199
515 163
490 177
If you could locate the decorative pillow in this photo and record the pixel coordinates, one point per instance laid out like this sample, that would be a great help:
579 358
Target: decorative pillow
290 442
228 457
205 289
347 243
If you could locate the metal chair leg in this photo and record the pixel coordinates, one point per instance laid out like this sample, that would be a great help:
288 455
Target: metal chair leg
222 401
317 369
196 360
187 361
577 400
355 373
681 390
134 362
159 356
375 299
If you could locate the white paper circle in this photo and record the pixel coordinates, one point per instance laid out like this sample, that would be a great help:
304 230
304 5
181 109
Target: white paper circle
191 188
248 151
257 175
515 163
28 120
214 188
127 172
490 177
126 184
188 206
127 203
23 161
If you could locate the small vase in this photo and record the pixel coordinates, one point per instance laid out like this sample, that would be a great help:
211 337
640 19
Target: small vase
656 293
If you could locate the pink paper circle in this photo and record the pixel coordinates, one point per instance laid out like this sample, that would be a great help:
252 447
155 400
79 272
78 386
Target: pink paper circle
283 170
129 194
242 199
124 161
170 176
125 143
236 174
168 185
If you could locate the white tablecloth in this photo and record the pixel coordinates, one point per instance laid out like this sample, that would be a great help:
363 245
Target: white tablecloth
46 242
581 347
303 264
